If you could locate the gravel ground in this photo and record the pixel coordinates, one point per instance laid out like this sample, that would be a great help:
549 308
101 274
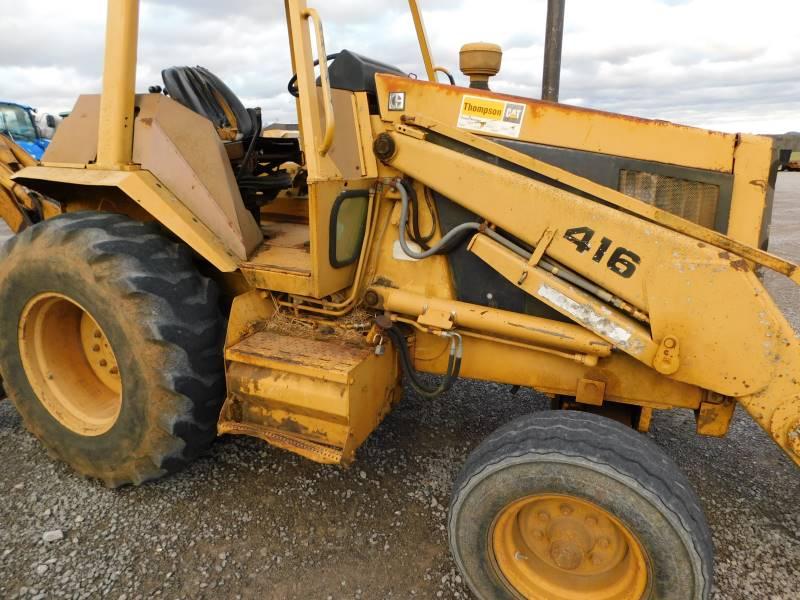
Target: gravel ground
249 521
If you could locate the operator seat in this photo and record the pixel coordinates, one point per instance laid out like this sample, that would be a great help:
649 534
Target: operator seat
198 89
258 162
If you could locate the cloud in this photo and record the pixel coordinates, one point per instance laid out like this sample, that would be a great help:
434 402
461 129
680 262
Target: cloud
711 63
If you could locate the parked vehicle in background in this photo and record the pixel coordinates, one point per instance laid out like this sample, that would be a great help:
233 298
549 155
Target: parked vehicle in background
18 122
793 164
47 124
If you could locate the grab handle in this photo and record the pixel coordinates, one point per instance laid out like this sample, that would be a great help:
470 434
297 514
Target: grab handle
324 76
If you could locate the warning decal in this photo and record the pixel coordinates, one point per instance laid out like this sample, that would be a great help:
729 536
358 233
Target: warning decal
491 116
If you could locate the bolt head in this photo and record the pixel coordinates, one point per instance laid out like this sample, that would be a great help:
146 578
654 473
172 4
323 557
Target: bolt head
371 298
566 510
385 147
543 516
566 555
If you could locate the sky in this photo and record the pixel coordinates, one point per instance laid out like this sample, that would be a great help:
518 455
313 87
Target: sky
731 65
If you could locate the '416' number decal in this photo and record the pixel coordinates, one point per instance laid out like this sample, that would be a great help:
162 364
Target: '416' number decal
622 261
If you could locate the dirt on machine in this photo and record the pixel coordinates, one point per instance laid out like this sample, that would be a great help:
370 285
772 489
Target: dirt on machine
184 270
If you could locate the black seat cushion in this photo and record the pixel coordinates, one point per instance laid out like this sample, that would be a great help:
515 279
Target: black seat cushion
356 73
198 89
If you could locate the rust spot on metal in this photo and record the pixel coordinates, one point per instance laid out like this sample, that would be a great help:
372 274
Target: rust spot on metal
384 282
740 265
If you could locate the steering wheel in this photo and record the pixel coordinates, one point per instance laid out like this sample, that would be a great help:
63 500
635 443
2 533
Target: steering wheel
292 87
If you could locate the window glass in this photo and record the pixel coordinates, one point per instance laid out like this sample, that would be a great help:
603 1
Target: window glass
349 223
16 122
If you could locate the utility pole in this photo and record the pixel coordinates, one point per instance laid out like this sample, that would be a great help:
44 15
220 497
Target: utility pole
554 37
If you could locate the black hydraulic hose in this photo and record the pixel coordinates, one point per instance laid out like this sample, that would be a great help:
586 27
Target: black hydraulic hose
293 81
455 235
256 113
453 366
416 234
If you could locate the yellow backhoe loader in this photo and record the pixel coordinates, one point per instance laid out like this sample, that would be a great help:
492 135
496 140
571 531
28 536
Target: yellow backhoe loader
181 271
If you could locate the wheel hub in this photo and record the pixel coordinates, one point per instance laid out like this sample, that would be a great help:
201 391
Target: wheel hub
98 353
70 364
567 548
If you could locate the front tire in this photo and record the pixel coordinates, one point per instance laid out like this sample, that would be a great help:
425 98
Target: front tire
568 505
110 346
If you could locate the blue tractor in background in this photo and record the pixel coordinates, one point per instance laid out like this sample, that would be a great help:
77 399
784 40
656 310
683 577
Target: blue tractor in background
18 122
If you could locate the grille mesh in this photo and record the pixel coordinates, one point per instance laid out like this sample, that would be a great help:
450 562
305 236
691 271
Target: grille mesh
691 200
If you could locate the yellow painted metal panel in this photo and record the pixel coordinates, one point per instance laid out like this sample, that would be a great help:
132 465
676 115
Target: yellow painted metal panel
152 196
572 127
293 390
752 192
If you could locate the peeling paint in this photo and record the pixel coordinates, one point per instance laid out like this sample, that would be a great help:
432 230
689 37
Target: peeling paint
586 315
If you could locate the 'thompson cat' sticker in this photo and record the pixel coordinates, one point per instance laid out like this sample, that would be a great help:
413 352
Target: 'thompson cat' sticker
495 117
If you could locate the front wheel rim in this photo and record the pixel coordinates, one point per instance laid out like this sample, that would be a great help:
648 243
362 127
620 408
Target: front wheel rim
70 364
559 547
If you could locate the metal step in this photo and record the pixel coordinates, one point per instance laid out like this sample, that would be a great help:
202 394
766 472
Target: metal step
318 398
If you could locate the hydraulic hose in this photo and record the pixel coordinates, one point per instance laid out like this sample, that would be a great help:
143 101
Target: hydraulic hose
450 240
416 233
453 364
255 114
453 236
457 234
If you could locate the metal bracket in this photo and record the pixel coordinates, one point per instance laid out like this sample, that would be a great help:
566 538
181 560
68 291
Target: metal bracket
541 246
437 319
591 392
668 357
538 253
714 415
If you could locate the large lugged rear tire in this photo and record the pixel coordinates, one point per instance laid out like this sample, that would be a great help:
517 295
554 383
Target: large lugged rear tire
110 346
569 505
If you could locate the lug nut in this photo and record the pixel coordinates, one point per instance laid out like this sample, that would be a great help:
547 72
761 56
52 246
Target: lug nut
104 363
543 516
566 510
603 543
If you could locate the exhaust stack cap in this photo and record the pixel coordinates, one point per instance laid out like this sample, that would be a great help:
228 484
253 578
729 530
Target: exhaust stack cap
479 62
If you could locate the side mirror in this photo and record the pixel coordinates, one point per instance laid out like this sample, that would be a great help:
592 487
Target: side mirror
51 121
348 227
